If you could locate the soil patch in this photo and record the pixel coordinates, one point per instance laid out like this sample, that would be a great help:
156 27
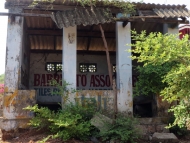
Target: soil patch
34 136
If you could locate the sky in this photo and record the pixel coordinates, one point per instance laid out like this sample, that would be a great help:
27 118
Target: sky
3 25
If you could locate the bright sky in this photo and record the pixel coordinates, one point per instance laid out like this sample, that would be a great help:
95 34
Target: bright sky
3 25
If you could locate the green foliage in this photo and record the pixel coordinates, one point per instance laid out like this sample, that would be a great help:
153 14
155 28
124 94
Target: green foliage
180 132
42 116
74 121
157 49
125 6
150 78
123 130
62 90
71 122
2 77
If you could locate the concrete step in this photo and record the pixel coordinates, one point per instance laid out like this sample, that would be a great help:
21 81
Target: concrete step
164 138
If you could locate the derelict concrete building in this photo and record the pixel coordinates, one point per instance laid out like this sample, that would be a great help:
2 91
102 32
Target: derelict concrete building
63 41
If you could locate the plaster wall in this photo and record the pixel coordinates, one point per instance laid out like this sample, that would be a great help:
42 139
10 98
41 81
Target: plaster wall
39 77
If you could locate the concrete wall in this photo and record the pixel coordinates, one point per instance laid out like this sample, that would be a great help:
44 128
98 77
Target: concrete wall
85 81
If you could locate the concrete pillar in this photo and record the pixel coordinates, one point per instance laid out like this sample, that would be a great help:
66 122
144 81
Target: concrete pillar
15 99
13 51
69 58
167 28
174 30
124 68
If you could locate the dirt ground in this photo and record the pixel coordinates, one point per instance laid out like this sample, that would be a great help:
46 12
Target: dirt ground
35 136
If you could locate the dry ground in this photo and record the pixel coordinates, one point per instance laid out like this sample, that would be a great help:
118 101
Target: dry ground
34 136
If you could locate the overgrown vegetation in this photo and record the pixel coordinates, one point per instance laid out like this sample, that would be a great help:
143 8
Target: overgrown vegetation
170 56
126 7
179 132
123 130
150 78
2 77
74 120
71 122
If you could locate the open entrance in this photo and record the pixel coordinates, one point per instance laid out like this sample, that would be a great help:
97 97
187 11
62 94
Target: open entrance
92 68
45 41
144 106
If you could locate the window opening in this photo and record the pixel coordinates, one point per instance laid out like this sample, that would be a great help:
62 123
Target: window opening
54 67
83 68
114 68
92 68
87 67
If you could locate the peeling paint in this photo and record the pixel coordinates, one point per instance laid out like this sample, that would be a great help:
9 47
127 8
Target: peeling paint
131 104
103 99
9 99
6 89
128 93
15 102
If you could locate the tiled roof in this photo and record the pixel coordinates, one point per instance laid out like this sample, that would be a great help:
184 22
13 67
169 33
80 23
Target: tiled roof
82 16
172 12
71 14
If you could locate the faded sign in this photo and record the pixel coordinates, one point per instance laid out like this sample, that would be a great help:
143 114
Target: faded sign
39 77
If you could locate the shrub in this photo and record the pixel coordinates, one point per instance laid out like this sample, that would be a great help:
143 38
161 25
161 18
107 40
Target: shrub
157 49
122 130
73 121
180 132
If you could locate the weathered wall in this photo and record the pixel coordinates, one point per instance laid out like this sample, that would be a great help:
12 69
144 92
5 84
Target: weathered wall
16 67
13 108
102 99
98 80
39 77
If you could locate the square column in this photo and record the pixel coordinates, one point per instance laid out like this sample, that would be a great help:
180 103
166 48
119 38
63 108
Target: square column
69 59
13 51
15 99
170 30
124 68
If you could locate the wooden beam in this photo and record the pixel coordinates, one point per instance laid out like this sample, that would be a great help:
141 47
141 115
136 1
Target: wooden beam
130 19
79 33
80 52
24 14
45 32
156 20
140 14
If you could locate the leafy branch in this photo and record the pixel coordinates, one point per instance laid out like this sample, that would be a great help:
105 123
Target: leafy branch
172 55
126 7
